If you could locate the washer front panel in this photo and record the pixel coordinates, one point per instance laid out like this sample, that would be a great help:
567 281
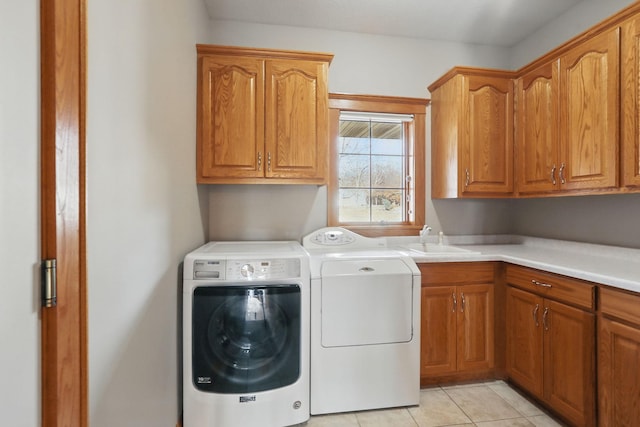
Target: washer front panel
246 338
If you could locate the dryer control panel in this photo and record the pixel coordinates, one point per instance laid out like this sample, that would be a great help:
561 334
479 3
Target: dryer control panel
342 238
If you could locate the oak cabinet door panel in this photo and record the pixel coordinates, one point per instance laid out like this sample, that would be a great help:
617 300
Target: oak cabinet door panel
438 330
569 361
630 98
619 386
297 119
524 339
232 117
487 152
537 150
475 327
589 113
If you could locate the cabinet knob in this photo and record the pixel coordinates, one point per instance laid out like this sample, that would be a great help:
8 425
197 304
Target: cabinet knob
562 181
455 302
259 160
269 161
535 314
467 177
553 175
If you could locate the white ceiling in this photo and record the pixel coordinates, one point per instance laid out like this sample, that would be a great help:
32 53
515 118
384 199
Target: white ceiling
492 22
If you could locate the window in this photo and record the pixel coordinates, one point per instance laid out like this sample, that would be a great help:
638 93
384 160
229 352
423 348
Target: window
377 164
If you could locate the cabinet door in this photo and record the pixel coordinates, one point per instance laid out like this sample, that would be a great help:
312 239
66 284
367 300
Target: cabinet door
438 330
569 362
619 386
487 148
475 327
231 116
537 148
446 125
589 82
630 97
524 339
297 119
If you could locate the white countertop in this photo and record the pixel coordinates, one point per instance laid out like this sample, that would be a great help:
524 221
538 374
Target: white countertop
607 265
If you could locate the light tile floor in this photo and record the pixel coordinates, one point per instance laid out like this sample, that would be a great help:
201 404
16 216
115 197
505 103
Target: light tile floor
487 404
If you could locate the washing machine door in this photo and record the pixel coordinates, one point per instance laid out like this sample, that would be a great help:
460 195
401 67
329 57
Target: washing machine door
245 338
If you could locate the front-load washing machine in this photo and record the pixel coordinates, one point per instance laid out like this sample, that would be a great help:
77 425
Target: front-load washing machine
246 335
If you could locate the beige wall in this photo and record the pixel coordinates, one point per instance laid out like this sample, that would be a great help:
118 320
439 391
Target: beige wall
144 212
19 220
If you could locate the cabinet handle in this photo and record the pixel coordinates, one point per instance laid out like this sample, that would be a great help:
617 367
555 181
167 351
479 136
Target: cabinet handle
259 160
544 285
467 177
455 302
269 161
463 303
562 181
545 315
553 175
535 314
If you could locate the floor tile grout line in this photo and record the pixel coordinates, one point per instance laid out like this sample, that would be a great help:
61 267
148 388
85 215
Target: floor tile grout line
456 403
521 415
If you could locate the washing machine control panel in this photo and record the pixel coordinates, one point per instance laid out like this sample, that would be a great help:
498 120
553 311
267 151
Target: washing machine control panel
247 269
263 269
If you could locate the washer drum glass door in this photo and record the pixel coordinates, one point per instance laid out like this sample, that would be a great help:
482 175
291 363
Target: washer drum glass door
245 338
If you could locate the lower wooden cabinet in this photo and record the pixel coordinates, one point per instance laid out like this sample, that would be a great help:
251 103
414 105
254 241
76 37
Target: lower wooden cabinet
619 359
457 325
550 344
549 324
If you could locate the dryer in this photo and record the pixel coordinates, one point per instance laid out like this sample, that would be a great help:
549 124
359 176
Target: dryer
365 323
246 335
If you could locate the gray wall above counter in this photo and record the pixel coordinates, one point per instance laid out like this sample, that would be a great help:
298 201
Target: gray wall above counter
604 219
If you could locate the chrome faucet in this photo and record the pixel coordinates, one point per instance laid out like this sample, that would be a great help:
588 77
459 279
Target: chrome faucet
424 233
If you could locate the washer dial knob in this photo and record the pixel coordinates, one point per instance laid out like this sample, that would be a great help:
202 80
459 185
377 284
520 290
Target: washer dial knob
246 270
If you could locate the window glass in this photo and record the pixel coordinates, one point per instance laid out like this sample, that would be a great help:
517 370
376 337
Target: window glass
372 171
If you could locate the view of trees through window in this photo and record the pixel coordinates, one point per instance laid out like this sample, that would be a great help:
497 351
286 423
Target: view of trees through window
372 171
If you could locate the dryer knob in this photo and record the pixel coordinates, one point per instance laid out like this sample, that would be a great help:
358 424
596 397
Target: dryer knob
246 270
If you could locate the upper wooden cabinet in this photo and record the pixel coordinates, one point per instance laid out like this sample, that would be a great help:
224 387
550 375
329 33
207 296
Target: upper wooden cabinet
567 120
576 120
472 134
630 97
589 111
537 150
262 116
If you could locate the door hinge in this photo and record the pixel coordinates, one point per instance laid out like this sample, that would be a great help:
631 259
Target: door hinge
49 291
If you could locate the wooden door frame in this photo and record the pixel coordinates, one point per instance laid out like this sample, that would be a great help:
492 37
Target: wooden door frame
62 191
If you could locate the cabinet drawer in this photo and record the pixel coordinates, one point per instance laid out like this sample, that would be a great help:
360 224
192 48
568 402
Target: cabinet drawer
620 304
454 273
549 285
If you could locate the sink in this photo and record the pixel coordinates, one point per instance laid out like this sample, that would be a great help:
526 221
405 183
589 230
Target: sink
435 249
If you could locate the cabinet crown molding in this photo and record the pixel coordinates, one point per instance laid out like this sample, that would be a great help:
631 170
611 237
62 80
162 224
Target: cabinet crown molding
208 49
